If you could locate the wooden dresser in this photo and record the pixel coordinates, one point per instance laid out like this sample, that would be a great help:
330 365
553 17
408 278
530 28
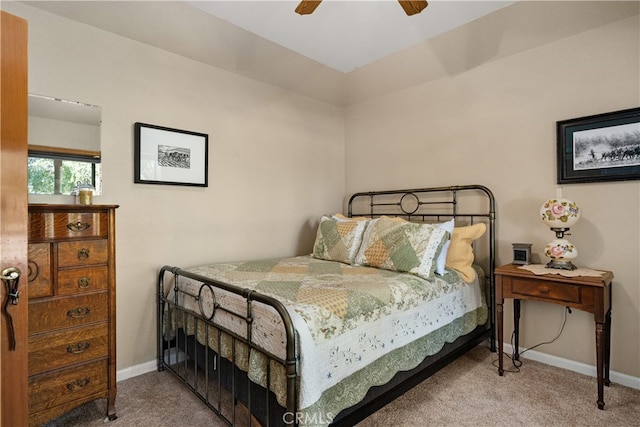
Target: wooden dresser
72 308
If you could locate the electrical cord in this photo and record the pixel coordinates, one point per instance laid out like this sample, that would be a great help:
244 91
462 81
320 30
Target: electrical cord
517 362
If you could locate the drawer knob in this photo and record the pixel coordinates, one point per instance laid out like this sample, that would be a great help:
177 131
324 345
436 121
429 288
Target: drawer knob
83 254
79 347
84 282
78 226
79 312
543 290
78 384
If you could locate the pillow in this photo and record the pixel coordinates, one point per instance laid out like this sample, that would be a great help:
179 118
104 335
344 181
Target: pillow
460 254
402 246
393 218
341 217
338 240
442 258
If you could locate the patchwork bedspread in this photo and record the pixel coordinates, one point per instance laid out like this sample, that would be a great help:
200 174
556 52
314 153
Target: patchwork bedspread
356 326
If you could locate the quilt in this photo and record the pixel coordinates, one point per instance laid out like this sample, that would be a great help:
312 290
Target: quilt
355 326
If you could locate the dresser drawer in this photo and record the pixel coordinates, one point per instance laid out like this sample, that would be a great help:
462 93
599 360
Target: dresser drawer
55 350
58 387
67 225
78 280
52 314
546 290
82 252
40 283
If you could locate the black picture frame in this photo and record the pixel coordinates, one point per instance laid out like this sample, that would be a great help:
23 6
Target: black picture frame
602 147
170 156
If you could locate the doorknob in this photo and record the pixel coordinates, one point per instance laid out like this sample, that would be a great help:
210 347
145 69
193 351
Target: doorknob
11 277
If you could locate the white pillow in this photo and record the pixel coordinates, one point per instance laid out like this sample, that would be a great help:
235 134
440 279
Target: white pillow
442 258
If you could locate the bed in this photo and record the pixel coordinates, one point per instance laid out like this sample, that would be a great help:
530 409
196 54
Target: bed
391 293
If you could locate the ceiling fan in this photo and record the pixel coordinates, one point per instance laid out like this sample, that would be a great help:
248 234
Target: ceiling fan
411 7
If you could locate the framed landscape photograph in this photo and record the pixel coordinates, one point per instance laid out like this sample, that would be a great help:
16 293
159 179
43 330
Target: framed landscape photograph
603 147
170 156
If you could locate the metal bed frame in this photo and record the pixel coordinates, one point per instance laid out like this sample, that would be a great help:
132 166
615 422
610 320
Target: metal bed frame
196 365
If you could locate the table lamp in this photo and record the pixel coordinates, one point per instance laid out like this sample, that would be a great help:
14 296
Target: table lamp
559 215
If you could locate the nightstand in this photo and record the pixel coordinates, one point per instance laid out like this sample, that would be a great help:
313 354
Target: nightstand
587 293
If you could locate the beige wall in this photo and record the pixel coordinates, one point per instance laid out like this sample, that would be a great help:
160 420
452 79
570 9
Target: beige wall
276 159
488 120
493 123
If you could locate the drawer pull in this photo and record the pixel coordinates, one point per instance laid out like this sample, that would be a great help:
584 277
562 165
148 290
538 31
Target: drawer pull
34 270
543 290
79 347
78 384
78 226
84 282
79 312
83 254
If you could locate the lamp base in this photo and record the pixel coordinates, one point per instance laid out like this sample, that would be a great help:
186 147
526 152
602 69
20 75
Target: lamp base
561 265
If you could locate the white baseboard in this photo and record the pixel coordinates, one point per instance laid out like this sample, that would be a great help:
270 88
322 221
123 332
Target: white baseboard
134 371
571 365
143 368
582 368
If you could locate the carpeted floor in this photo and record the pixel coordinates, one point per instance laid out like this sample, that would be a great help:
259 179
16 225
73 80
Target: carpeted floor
468 392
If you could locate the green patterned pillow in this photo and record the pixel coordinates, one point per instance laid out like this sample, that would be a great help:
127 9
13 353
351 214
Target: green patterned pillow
402 246
338 239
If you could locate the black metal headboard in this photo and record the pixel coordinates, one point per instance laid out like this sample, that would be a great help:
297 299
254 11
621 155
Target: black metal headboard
467 204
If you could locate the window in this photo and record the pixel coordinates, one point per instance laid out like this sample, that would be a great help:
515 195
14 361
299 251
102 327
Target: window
57 171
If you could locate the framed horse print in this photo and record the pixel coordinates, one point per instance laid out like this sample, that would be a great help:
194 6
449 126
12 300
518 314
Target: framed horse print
603 147
170 156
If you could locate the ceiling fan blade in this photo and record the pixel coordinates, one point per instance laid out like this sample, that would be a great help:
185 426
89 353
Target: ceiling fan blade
307 7
411 7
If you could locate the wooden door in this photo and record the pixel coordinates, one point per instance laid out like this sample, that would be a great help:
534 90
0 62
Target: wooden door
13 220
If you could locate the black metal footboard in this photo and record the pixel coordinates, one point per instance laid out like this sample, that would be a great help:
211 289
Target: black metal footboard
217 379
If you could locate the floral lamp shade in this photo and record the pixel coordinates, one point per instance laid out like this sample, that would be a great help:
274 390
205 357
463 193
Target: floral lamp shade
559 215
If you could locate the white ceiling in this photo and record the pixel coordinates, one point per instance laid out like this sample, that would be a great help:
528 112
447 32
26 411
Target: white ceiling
347 34
343 34
267 41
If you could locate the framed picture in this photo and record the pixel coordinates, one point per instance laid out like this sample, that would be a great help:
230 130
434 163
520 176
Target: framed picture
170 156
604 147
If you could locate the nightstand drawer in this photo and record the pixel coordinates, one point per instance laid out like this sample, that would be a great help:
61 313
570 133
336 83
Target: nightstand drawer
82 252
79 280
56 350
67 225
546 290
64 385
68 312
